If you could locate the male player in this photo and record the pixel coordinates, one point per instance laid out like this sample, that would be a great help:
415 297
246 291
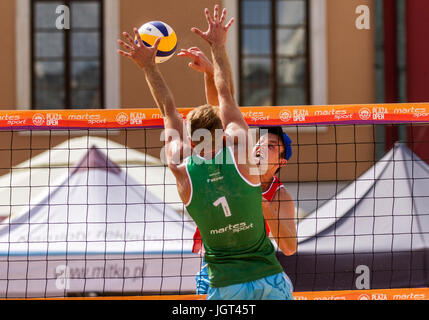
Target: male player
272 151
241 258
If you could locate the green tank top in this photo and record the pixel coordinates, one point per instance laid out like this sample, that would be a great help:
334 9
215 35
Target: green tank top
228 212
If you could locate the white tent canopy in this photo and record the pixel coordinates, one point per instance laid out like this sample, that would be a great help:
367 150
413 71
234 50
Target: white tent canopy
30 180
380 220
396 186
98 230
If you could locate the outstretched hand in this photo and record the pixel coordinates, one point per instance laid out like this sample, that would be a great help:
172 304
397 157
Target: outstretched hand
137 51
216 34
199 60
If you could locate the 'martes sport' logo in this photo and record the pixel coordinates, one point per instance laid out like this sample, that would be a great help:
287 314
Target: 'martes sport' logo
238 227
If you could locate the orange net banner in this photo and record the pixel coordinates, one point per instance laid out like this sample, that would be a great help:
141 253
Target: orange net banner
255 116
380 294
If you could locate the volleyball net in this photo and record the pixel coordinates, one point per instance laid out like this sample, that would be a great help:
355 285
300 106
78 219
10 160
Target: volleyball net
88 207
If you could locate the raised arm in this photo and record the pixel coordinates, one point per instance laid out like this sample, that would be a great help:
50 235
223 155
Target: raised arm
231 116
201 63
144 57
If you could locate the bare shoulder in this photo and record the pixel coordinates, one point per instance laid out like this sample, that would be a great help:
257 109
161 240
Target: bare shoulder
283 194
182 180
284 202
178 170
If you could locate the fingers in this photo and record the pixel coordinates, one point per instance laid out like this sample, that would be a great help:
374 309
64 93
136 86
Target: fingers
216 13
129 38
223 17
229 24
194 49
216 24
138 42
156 44
198 32
191 52
125 45
186 53
208 16
138 37
196 53
196 62
125 54
194 66
216 20
181 54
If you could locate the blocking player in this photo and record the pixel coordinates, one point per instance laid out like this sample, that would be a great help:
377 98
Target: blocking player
273 150
240 257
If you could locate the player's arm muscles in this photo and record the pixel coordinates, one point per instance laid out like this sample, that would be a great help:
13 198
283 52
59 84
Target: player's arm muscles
235 127
230 114
201 63
280 216
233 122
177 143
210 88
144 58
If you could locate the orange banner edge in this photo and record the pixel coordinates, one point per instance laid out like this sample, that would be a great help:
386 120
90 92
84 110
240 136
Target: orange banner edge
377 294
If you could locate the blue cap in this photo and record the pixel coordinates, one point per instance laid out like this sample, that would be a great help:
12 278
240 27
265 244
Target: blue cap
287 142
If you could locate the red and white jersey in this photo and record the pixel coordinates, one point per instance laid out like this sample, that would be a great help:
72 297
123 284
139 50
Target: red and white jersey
276 184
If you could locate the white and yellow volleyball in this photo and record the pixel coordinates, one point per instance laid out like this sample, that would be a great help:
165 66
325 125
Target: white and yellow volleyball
151 31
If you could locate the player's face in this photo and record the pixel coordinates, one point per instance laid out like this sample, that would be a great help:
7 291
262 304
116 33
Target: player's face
268 150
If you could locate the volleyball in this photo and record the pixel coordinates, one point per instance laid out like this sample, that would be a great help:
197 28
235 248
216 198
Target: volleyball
151 31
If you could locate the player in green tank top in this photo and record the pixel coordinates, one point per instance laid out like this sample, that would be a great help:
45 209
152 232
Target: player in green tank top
221 191
272 152
229 217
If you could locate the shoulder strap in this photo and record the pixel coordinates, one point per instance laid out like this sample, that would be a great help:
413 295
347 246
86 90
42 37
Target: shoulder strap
276 184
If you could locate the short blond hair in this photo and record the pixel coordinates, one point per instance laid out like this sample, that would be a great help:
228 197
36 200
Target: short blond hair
204 117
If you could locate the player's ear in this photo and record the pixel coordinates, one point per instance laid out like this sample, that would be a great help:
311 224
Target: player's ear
282 163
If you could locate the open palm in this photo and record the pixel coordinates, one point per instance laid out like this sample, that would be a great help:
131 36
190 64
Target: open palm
217 31
199 60
137 51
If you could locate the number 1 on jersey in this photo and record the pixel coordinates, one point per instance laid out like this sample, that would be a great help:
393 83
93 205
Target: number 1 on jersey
222 201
